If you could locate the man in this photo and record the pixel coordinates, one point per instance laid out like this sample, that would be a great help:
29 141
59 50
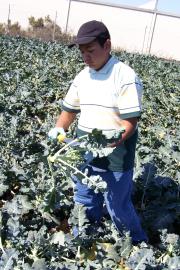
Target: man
107 93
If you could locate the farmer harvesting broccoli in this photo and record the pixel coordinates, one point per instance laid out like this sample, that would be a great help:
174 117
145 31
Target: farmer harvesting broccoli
107 94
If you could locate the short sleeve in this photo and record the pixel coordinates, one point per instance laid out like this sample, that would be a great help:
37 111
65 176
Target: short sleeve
71 100
129 100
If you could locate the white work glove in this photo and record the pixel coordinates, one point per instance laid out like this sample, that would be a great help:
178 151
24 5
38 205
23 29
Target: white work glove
54 132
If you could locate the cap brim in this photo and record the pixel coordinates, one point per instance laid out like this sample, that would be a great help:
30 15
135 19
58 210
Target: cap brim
81 41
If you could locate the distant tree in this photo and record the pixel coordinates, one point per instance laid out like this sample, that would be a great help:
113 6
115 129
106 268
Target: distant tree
51 24
2 28
48 20
36 23
44 29
14 29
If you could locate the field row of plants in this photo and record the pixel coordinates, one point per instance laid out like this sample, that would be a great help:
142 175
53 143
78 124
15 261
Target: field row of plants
36 193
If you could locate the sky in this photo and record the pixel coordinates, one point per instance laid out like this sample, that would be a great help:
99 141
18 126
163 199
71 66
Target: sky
20 10
172 6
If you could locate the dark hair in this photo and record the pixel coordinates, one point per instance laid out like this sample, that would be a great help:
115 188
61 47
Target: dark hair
101 39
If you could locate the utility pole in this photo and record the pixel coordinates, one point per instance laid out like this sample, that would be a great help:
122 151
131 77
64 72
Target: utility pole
67 20
8 20
54 26
154 25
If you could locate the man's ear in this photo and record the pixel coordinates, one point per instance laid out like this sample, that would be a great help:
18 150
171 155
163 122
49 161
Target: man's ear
107 45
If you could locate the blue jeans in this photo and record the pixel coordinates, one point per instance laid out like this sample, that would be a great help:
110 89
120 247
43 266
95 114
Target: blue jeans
117 199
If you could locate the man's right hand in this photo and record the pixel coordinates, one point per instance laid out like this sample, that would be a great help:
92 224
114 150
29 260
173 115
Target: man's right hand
54 132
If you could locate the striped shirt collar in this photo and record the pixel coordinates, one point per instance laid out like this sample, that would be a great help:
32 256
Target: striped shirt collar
105 69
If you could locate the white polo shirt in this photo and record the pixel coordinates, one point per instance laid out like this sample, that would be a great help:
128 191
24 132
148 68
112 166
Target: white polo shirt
104 98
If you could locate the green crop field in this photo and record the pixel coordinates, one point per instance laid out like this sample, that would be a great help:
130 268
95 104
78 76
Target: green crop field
36 192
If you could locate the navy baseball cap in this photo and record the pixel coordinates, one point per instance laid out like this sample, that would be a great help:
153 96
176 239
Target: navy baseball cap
89 31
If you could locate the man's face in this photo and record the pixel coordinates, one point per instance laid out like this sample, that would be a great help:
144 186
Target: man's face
94 55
